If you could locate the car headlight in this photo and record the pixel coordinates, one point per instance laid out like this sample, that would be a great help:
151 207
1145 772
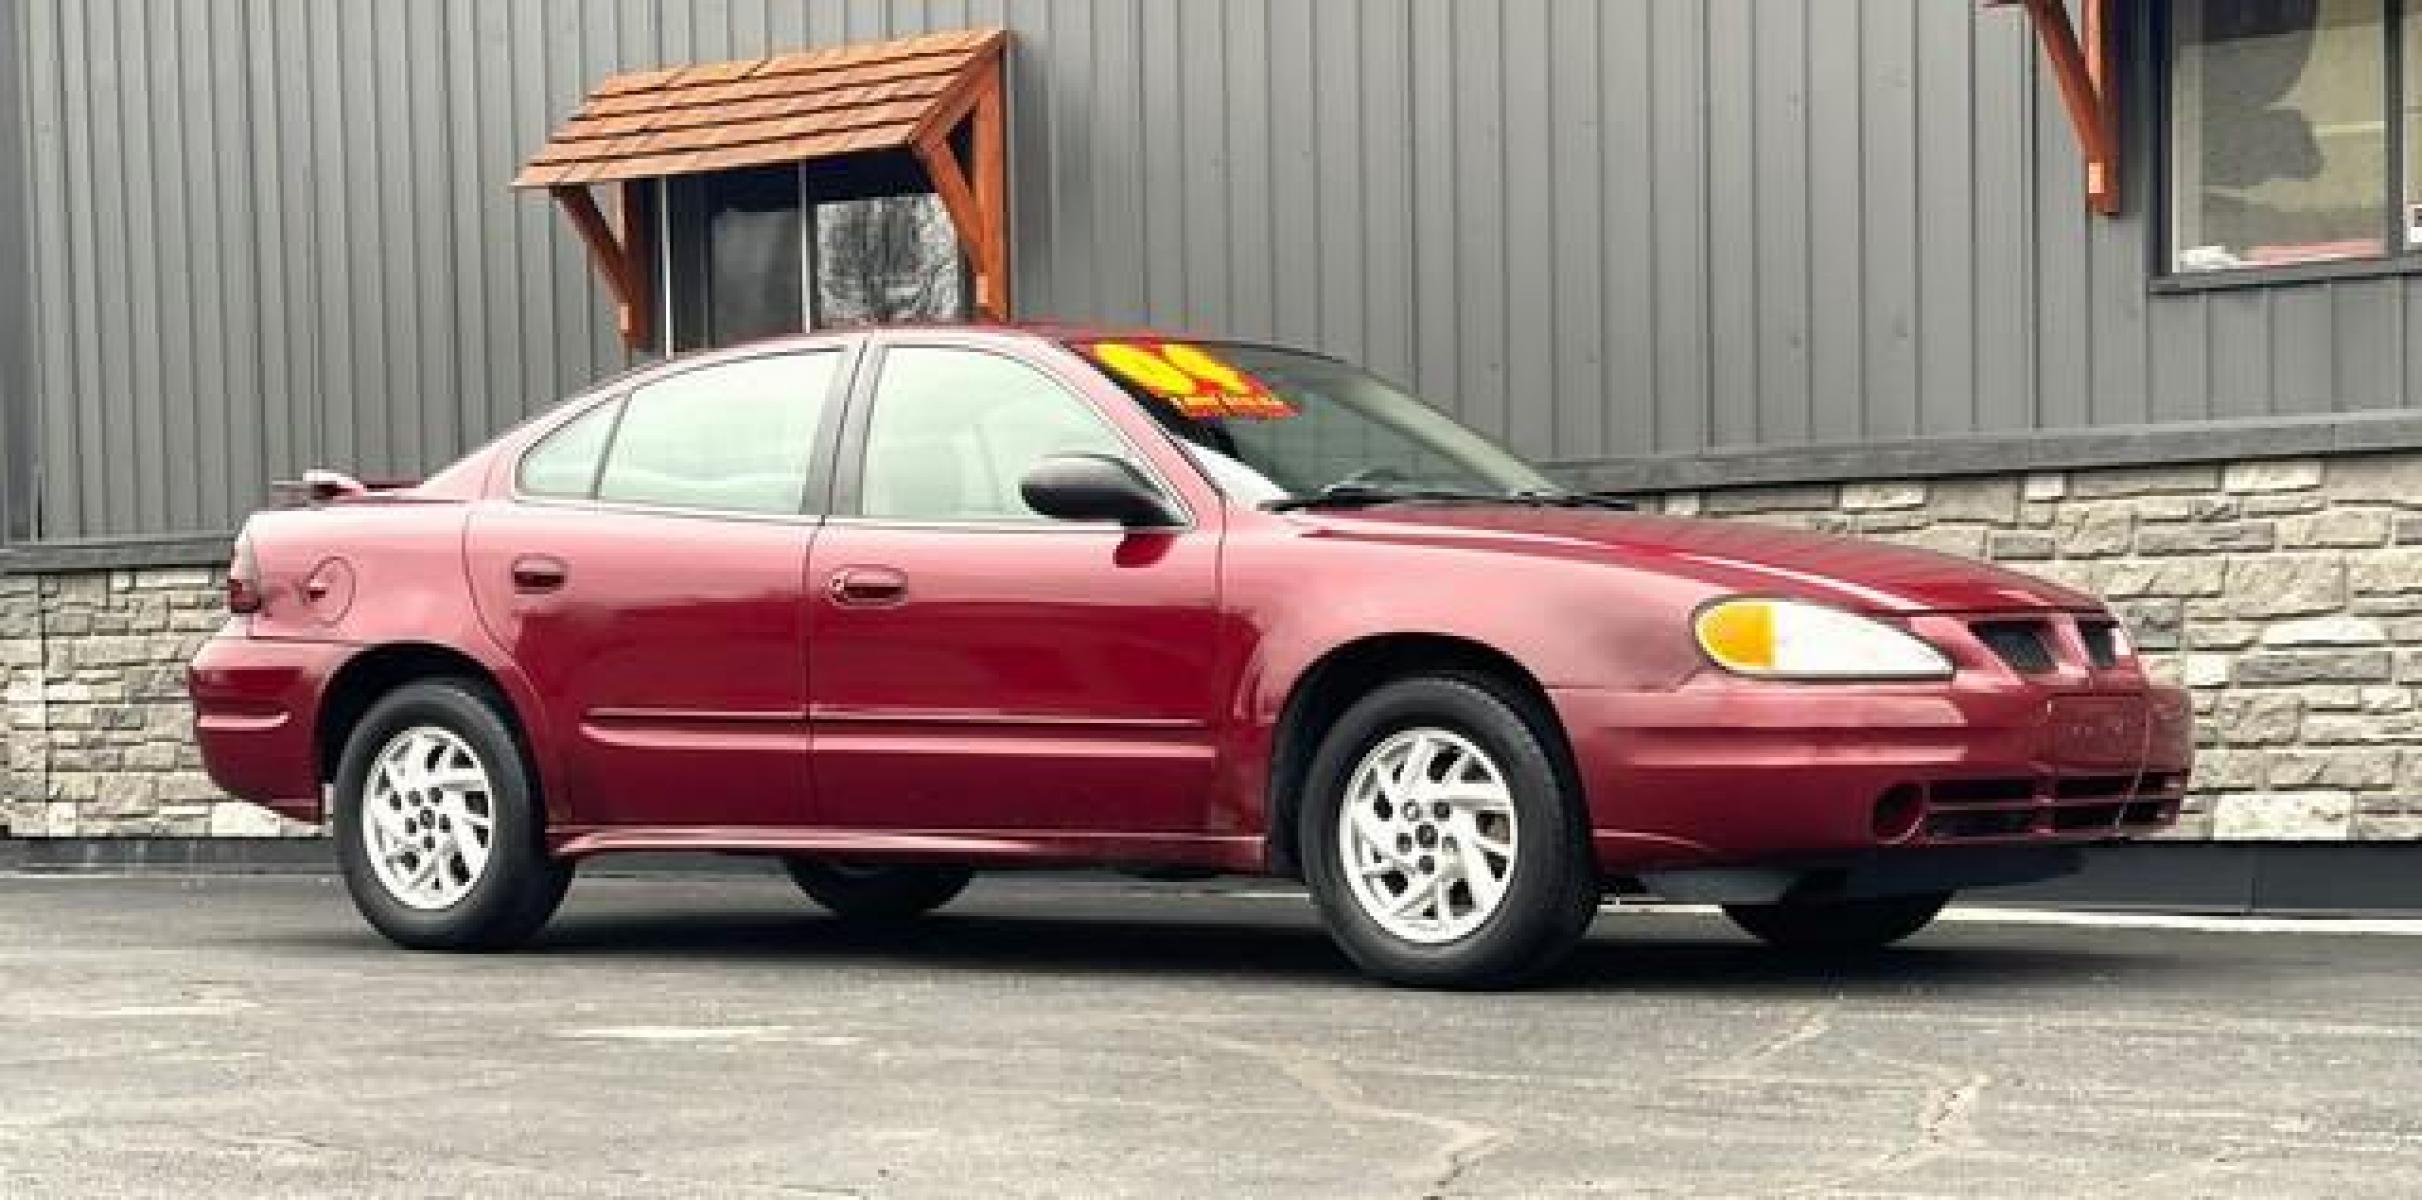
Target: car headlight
1787 639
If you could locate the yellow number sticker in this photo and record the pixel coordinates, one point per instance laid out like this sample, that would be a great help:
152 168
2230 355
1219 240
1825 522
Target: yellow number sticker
1225 379
1145 369
1192 380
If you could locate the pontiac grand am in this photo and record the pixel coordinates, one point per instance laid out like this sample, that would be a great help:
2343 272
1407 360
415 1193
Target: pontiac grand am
897 605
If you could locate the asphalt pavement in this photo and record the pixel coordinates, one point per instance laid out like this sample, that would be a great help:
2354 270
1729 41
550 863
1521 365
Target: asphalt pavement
1069 1037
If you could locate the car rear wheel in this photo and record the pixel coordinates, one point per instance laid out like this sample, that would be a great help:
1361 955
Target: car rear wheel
1441 842
438 831
1838 926
877 891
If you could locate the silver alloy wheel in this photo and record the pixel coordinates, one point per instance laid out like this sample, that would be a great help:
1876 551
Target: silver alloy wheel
1427 835
428 817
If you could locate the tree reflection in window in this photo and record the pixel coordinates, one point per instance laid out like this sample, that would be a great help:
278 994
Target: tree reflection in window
887 259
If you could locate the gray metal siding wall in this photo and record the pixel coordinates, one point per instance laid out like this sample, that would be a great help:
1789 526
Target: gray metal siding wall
268 234
16 308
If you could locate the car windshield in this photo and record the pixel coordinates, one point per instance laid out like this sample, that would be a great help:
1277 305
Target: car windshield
1277 426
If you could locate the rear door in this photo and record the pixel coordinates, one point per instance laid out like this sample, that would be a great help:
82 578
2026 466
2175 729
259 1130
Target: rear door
980 666
649 575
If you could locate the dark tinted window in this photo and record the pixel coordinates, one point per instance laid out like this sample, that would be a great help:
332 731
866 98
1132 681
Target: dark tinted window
734 437
954 431
738 254
564 463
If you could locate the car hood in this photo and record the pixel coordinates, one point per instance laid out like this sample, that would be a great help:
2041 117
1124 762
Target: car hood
1737 556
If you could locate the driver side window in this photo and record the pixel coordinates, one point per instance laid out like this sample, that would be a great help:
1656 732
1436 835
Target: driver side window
954 431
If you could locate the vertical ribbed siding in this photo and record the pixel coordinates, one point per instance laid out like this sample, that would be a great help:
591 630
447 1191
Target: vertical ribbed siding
263 235
17 418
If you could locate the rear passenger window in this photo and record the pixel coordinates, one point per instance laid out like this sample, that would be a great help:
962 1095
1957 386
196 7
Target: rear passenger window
735 437
564 464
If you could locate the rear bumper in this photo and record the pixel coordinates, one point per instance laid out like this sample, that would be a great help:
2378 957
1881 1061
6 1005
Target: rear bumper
1733 772
255 710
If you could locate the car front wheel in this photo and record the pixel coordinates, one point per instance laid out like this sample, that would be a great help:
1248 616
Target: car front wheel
875 892
1838 926
1440 840
437 825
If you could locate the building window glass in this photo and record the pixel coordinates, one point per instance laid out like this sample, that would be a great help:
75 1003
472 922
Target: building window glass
737 267
758 253
888 258
2280 132
2410 216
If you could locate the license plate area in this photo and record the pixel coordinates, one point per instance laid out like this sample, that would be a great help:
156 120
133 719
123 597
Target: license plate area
2096 731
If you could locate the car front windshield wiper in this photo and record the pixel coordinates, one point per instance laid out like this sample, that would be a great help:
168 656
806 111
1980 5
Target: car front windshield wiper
1556 498
1354 494
1360 494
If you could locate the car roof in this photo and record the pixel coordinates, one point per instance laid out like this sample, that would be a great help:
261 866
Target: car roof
1045 331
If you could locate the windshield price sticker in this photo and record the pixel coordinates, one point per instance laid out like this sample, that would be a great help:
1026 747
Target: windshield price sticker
1192 380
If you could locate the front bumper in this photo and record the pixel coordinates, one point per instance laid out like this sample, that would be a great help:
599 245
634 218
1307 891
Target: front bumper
1729 771
255 716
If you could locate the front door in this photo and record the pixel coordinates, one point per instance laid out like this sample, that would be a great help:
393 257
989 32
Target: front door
650 577
981 667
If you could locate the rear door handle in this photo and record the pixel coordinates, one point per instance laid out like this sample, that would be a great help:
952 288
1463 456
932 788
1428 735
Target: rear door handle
867 587
538 573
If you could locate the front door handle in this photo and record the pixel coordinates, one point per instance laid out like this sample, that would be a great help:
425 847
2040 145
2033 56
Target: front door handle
867 587
538 573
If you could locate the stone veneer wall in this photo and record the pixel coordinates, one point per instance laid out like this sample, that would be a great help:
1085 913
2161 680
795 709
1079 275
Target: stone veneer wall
99 738
2287 593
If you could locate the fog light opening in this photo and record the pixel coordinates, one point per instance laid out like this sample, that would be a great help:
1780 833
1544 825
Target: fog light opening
1898 812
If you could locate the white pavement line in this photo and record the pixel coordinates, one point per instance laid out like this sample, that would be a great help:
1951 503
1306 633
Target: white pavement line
2069 918
2341 926
1966 914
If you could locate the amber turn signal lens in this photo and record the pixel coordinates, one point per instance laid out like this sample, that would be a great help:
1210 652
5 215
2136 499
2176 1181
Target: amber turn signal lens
1739 636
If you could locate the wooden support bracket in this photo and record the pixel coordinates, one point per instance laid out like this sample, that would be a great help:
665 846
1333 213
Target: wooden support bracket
624 259
2089 89
978 207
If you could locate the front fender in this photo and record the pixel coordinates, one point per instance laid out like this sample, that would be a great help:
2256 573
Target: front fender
1298 598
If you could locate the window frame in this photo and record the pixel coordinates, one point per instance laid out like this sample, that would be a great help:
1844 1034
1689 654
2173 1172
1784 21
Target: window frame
816 495
2401 256
848 491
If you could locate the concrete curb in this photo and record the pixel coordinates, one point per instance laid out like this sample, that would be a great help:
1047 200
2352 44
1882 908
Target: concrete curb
2197 878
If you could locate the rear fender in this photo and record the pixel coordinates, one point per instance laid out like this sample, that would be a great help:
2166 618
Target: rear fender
379 574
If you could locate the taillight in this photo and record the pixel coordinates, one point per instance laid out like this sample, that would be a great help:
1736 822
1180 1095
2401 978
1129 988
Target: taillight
244 579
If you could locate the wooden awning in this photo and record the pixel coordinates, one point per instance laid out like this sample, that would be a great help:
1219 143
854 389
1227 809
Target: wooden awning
2080 55
914 94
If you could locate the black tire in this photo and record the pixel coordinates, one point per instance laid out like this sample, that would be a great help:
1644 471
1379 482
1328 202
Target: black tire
521 884
1551 892
1838 926
876 893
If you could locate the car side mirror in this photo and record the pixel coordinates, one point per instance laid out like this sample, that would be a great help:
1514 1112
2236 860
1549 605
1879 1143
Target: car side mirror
1095 487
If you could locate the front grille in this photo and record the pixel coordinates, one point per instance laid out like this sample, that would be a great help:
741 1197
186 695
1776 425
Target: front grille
1958 826
2014 808
2102 643
2022 644
2085 816
2094 787
1982 791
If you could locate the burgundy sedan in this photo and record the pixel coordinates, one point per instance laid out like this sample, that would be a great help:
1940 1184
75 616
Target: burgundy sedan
897 605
